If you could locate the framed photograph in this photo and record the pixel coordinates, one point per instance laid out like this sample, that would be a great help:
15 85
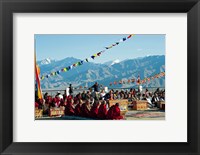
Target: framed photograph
101 76
107 85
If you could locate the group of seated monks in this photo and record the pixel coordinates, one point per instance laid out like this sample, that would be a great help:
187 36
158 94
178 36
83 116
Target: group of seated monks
97 110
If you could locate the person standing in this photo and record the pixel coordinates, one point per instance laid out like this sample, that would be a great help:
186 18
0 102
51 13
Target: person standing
96 87
70 89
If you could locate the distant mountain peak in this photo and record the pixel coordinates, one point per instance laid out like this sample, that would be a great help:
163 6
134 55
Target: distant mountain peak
115 62
46 61
110 63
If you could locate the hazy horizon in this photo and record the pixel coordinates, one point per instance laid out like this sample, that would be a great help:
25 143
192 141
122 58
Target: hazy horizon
103 62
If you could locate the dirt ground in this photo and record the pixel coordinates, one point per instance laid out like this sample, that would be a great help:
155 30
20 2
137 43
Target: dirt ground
151 114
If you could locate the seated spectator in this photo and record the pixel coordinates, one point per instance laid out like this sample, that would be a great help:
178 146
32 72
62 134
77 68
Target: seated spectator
85 109
94 110
91 100
102 111
155 99
59 95
40 102
46 107
69 98
126 95
69 109
148 98
83 95
78 108
57 104
162 96
143 97
53 103
88 95
45 96
122 94
102 95
114 112
61 103
78 96
111 95
36 105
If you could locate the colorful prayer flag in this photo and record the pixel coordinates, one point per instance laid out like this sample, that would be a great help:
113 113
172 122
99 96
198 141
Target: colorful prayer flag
130 36
138 80
42 77
79 63
124 39
99 53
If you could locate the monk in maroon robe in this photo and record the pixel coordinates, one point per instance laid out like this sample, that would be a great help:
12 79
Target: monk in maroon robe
85 109
36 105
78 108
57 101
102 111
94 110
69 98
61 103
114 112
69 109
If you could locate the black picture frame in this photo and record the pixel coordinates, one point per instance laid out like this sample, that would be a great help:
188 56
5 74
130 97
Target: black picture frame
8 7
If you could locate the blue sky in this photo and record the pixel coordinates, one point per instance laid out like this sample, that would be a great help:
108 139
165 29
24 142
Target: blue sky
60 46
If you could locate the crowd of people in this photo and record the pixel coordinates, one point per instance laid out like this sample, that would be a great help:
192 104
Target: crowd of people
78 107
93 103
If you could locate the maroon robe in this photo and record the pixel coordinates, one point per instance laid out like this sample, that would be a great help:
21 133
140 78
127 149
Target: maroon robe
78 110
102 111
69 110
85 112
114 113
36 105
94 111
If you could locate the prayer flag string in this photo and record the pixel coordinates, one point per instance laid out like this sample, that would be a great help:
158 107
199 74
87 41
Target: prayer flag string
138 82
92 57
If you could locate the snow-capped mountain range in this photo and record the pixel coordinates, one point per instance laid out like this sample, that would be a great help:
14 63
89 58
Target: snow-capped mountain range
89 72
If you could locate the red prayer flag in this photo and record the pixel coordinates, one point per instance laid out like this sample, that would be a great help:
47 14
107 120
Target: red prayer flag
129 36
